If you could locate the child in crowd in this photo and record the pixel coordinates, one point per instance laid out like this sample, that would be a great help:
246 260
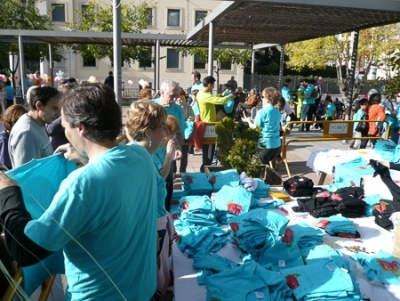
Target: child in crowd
194 105
361 106
189 116
330 108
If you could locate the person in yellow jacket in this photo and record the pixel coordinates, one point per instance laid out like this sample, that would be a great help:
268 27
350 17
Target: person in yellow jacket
300 93
206 103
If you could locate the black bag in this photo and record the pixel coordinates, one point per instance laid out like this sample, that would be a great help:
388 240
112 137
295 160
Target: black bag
362 126
351 207
299 186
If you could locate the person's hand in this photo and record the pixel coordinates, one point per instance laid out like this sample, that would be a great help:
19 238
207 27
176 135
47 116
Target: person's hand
178 154
6 181
171 146
71 154
245 118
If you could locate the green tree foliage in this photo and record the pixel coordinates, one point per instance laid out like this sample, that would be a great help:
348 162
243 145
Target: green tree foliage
392 86
222 56
15 14
375 46
98 18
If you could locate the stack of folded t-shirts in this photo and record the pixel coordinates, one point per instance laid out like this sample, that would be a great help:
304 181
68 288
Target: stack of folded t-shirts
248 281
381 266
322 252
210 263
321 280
352 171
197 210
283 254
231 201
257 229
192 239
387 150
196 184
305 236
225 177
338 226
262 190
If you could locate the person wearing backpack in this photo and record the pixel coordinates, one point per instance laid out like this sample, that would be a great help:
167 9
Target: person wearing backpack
375 112
339 108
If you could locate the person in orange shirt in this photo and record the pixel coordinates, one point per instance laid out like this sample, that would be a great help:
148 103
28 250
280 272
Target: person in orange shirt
375 112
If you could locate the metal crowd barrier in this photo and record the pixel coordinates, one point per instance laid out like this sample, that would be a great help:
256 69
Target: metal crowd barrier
334 130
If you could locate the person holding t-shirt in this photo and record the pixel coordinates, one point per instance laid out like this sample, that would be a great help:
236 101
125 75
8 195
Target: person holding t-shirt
268 118
207 103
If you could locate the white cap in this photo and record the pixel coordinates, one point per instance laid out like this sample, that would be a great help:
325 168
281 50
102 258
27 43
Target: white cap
372 91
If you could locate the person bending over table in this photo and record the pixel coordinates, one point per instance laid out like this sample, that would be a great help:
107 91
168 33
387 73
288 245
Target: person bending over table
103 215
268 118
146 125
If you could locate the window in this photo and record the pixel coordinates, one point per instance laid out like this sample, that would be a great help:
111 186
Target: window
89 61
145 59
149 13
84 9
199 15
172 59
198 64
58 12
173 18
226 65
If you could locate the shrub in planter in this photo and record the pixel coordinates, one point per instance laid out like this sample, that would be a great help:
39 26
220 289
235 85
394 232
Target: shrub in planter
237 146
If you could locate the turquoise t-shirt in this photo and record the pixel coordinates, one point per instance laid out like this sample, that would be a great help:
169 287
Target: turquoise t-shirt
9 92
268 118
309 91
330 109
286 93
106 209
176 111
161 189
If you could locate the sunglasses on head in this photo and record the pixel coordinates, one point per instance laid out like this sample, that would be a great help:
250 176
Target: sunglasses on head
68 80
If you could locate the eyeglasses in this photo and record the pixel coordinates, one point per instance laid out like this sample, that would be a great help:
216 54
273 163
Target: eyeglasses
67 80
163 126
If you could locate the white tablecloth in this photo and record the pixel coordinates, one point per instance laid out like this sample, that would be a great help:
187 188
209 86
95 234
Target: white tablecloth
325 161
373 238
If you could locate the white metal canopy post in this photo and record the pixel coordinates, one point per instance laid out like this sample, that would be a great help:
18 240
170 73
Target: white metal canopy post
211 49
117 50
51 71
22 65
157 66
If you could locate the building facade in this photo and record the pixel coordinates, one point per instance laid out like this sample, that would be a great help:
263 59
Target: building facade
168 17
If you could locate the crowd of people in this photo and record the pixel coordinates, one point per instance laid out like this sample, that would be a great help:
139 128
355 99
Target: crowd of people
111 215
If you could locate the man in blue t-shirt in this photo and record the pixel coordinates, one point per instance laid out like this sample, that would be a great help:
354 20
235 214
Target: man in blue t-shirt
103 215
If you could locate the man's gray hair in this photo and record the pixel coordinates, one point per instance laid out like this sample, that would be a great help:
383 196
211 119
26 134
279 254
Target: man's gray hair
29 93
168 85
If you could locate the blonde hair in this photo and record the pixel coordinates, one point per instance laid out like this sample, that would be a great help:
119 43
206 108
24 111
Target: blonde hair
271 95
172 125
144 115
